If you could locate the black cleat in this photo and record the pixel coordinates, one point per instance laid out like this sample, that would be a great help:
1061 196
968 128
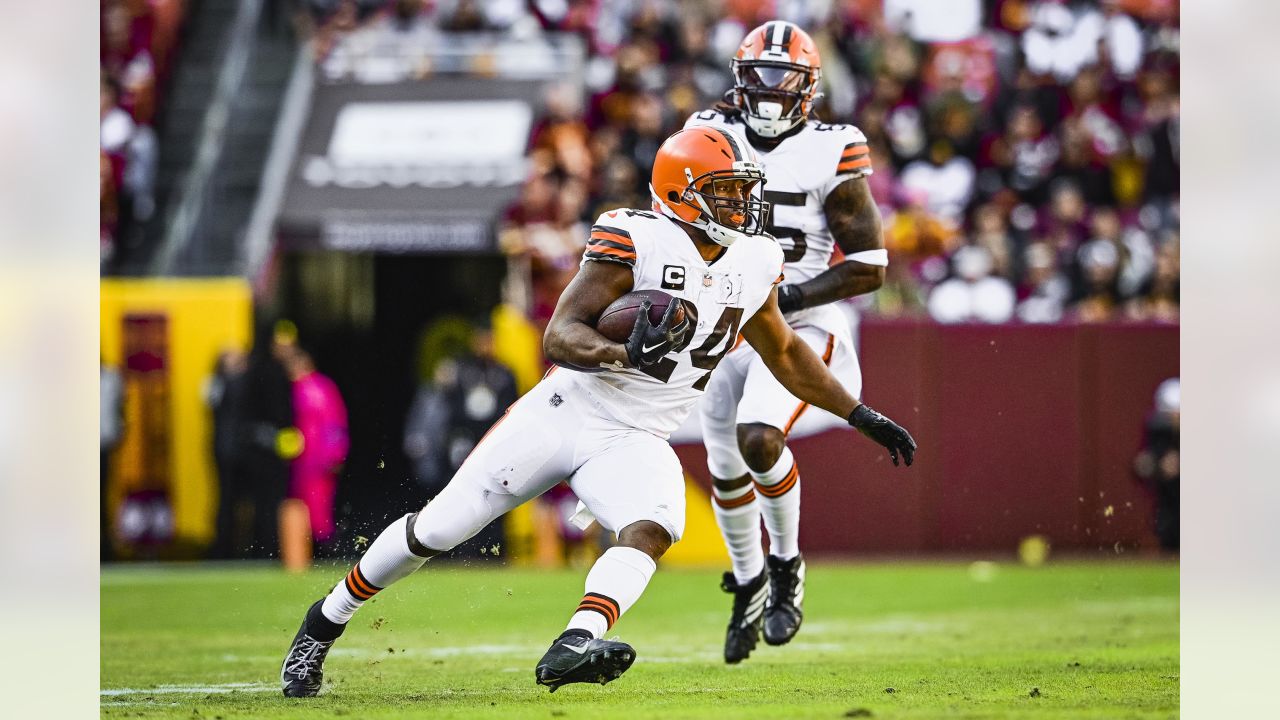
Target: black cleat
303 667
783 614
576 657
748 611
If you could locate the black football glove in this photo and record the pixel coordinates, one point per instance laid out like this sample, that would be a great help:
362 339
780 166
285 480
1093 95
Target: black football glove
648 342
884 431
790 298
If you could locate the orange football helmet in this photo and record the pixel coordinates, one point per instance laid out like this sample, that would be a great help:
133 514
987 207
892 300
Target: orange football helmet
710 179
775 77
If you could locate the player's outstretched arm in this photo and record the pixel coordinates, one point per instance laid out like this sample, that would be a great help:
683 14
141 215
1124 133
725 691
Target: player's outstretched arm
803 373
854 221
571 339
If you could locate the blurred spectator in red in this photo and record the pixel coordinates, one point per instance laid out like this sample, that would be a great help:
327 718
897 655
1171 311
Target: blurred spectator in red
127 27
945 179
1099 277
974 294
1157 463
1023 156
107 208
913 234
321 418
991 232
1096 114
1158 130
1066 221
133 34
1077 164
115 126
646 132
1044 291
1158 299
544 234
564 135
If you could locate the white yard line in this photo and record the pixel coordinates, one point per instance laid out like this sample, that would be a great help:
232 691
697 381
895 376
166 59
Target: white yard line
221 688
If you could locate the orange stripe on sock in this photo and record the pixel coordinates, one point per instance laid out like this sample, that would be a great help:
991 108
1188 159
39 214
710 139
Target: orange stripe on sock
782 488
735 502
610 616
362 582
598 607
355 590
607 603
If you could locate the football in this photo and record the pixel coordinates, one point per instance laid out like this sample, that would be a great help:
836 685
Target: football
617 320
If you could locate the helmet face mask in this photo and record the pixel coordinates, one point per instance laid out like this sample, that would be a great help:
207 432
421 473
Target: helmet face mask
774 97
729 204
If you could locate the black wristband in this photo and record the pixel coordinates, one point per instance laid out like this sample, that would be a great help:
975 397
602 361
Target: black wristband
790 298
859 414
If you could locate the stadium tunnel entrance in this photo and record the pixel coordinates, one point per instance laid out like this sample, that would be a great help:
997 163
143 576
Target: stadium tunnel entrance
363 316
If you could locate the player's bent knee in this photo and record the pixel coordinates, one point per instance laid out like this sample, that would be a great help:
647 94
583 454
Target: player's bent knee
761 445
452 518
411 538
646 536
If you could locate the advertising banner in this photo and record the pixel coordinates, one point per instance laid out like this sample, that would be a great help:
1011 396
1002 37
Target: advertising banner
408 167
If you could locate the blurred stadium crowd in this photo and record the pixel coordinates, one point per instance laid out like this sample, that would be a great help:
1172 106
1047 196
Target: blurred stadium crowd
138 38
1025 151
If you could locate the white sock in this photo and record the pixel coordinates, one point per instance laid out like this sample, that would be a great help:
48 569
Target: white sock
778 490
738 515
613 586
387 560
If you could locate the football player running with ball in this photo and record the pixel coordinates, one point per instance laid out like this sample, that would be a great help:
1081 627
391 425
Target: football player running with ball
817 188
603 421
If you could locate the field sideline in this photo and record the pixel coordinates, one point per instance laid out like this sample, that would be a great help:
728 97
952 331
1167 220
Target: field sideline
916 640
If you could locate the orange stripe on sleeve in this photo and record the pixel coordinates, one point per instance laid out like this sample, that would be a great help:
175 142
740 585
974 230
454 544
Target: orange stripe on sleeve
615 252
601 235
851 165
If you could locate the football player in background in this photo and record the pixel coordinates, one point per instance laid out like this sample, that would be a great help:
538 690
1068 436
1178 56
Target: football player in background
603 423
816 184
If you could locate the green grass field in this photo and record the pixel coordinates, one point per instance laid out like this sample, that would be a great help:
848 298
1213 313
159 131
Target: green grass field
913 640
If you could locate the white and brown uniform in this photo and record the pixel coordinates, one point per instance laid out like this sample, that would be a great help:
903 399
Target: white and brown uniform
606 432
800 172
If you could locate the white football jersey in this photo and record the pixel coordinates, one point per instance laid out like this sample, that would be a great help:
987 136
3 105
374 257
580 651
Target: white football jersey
725 294
799 174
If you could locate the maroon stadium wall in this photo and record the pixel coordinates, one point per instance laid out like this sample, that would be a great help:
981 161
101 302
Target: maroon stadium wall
1023 430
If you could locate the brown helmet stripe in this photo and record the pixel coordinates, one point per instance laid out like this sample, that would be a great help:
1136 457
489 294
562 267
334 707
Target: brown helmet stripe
733 145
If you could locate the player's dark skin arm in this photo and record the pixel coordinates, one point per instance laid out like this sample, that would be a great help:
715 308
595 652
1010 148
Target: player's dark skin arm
794 363
571 339
854 221
804 375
